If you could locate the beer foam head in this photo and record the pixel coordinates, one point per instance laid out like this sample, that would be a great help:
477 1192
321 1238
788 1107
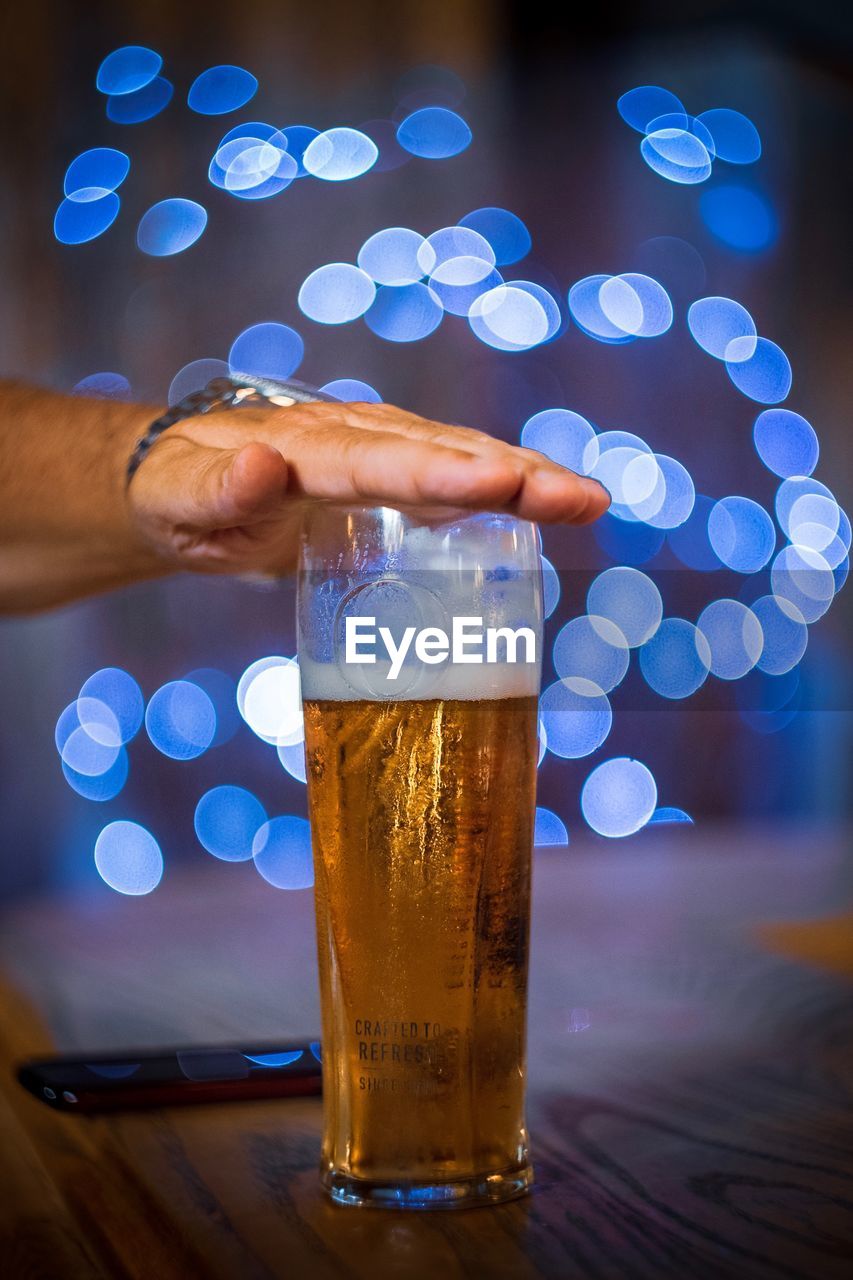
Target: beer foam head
332 682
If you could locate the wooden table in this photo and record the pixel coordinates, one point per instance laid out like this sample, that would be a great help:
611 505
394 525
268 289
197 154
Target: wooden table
690 1052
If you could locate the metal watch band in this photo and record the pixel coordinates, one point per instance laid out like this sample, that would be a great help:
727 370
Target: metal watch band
224 393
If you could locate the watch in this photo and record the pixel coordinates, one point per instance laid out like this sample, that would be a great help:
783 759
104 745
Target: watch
224 393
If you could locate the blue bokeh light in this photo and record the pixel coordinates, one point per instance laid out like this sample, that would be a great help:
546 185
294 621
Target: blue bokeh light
268 699
586 311
170 227
562 436
629 599
89 755
222 691
405 314
459 282
677 155
252 167
716 322
628 542
786 443
434 133
509 319
638 107
679 497
267 350
619 797
550 587
296 138
736 138
741 533
803 578
636 304
765 375
576 716
194 377
682 121
785 634
103 386
549 828
591 648
144 104
221 89
740 217
99 787
78 221
791 490
675 662
690 542
282 853
338 155
292 757
449 243
505 232
180 720
352 389
274 1059
734 637
668 814
128 858
546 300
336 293
103 168
226 821
127 69
117 690
391 256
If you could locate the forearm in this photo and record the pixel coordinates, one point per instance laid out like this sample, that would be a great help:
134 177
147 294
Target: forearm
65 525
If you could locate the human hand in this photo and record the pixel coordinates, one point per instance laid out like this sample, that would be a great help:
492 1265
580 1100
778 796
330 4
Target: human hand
225 492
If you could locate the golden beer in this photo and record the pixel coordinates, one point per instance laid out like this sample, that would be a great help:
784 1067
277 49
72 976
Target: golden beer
422 826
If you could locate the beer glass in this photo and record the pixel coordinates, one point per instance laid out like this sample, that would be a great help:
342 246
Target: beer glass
419 652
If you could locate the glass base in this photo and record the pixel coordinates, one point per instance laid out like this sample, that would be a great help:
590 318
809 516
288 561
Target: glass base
465 1193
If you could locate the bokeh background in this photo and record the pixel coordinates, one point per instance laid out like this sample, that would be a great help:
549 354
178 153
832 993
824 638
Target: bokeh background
539 95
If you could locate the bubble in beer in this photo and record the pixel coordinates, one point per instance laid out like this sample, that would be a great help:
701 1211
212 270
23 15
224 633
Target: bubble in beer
128 858
619 797
226 822
282 853
221 89
127 69
170 227
549 829
144 104
434 133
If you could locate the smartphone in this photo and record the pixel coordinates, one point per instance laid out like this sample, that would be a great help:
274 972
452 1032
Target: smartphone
89 1083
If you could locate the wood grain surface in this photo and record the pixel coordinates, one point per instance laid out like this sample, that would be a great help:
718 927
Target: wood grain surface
690 1087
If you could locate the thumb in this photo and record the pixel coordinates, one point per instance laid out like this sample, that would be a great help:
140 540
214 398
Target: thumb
186 483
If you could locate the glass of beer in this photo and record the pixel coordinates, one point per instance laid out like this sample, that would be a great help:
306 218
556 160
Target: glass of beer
419 652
